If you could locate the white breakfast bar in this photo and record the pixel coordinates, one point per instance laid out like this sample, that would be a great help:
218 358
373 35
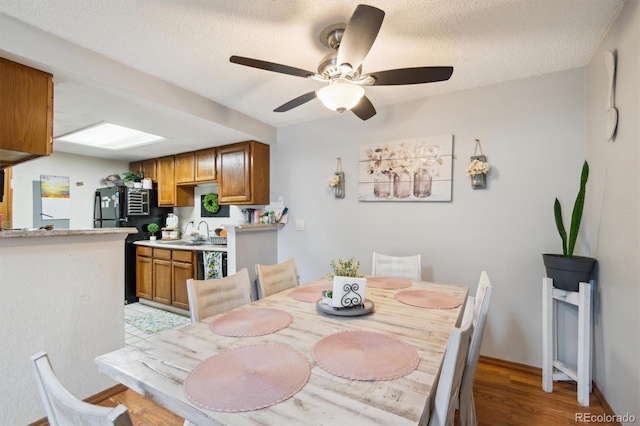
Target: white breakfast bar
158 368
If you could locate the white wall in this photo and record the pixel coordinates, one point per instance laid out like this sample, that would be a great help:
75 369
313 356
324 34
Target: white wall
533 133
613 215
62 295
188 214
84 175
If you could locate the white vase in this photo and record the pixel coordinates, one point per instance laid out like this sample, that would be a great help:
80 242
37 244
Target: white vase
348 291
152 238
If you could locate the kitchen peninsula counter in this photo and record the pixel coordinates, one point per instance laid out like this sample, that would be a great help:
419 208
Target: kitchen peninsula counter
181 245
37 233
63 293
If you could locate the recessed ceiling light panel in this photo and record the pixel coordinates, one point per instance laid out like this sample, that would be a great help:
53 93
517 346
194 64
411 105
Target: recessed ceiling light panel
109 136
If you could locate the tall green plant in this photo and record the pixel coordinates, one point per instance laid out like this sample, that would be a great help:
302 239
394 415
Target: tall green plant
576 217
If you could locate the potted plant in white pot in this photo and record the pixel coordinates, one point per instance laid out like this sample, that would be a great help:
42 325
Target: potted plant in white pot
567 270
152 228
348 285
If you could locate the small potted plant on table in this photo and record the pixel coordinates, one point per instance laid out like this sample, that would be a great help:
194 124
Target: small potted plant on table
152 228
348 285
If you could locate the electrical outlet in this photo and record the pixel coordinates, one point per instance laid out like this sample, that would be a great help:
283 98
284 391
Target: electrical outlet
299 225
281 199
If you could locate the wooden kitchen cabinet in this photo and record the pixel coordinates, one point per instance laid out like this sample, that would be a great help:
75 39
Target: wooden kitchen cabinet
146 167
26 113
162 281
243 173
170 194
205 165
162 274
144 276
185 171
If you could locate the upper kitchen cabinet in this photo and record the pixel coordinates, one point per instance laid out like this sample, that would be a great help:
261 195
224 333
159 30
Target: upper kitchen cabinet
170 194
243 173
185 168
196 167
147 168
206 165
26 113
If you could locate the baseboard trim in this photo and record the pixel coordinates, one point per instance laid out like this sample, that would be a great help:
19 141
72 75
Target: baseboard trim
511 365
538 372
607 408
93 399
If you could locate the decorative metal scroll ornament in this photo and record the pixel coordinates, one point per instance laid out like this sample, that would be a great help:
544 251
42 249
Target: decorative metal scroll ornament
350 298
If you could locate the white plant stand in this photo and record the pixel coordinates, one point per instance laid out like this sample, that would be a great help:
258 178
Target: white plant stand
552 368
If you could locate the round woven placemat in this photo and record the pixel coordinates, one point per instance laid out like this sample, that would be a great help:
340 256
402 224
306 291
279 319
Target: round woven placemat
388 283
251 322
247 378
428 299
365 355
310 294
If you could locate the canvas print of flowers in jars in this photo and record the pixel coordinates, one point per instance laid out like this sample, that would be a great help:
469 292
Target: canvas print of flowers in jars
406 170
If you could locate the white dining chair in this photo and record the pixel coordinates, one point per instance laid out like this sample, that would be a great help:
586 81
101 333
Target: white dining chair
455 358
64 409
276 278
409 267
211 297
480 310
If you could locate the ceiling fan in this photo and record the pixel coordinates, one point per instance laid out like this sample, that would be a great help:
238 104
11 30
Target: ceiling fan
341 69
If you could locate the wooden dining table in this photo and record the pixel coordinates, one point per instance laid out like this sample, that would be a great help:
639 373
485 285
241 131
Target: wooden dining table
158 368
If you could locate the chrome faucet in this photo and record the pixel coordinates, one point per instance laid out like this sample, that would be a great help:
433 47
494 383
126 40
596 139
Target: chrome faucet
206 237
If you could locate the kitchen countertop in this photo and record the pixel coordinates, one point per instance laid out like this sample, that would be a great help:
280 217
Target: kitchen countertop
181 245
24 233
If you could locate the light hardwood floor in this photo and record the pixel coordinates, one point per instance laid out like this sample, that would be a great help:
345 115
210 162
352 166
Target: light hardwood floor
503 396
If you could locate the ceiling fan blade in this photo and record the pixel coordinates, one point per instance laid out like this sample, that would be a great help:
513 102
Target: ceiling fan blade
270 66
364 109
358 37
416 75
296 102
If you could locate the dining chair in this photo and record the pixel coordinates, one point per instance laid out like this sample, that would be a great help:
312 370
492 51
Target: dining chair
276 278
451 372
211 297
64 409
409 267
480 310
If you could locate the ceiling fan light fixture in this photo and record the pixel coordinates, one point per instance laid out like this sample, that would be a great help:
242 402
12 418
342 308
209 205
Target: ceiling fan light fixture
340 95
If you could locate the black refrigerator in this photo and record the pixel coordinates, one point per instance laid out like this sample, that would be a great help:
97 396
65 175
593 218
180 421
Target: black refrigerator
120 207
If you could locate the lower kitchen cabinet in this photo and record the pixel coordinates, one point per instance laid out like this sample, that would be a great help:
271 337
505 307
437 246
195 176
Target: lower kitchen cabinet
161 275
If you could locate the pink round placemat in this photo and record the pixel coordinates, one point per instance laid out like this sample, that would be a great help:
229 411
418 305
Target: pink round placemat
388 283
310 294
247 378
428 299
251 322
365 355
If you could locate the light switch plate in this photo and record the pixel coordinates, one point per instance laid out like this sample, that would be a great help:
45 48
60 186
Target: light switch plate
299 225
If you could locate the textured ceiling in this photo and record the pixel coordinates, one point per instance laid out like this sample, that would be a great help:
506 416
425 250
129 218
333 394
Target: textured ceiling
188 43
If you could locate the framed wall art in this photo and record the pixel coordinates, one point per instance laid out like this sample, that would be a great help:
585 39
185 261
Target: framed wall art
418 169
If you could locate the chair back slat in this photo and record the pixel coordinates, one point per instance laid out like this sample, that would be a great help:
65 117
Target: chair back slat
62 408
276 278
480 311
211 297
409 267
448 383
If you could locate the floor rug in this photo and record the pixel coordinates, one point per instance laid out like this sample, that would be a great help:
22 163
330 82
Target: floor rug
155 322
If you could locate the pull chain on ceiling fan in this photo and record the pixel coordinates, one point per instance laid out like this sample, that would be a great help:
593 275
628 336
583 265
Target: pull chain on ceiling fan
341 70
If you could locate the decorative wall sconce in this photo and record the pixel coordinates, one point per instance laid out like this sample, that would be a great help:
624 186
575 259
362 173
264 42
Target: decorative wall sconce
478 168
336 182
